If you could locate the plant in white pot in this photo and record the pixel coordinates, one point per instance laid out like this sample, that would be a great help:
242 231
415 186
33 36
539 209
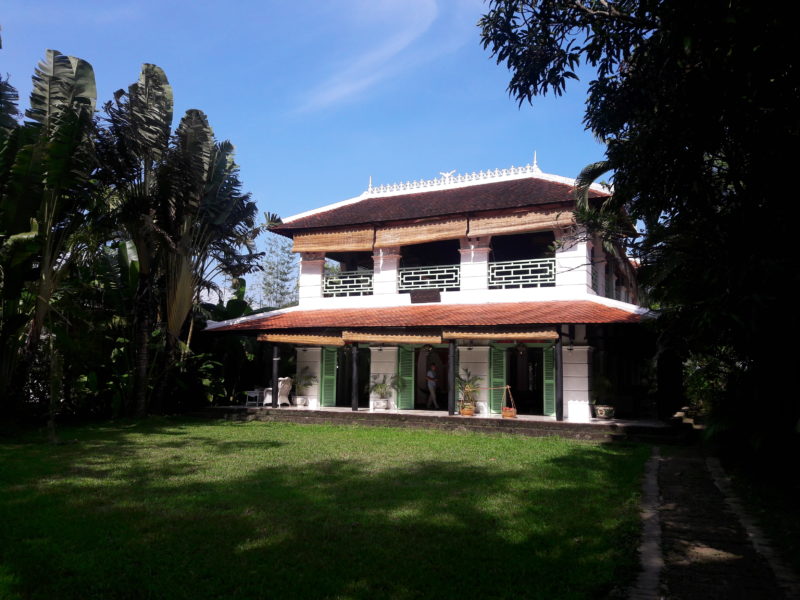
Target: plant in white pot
467 392
302 382
383 386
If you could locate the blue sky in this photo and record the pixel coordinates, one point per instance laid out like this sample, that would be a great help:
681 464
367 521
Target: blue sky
318 95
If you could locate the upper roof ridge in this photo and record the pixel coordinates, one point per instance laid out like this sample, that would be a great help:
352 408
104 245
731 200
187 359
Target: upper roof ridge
448 180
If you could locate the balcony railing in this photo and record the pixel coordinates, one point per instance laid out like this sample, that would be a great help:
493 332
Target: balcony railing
537 272
347 283
446 278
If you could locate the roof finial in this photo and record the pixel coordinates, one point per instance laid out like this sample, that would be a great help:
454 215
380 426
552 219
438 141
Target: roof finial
369 188
535 165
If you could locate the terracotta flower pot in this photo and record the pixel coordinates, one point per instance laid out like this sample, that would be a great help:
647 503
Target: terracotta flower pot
467 411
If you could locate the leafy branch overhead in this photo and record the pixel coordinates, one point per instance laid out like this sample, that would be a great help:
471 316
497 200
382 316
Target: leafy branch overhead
697 108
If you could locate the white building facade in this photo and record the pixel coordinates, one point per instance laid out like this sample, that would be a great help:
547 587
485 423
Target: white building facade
485 274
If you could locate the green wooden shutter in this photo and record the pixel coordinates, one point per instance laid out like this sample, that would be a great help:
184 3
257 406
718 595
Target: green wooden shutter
549 381
327 387
405 377
497 378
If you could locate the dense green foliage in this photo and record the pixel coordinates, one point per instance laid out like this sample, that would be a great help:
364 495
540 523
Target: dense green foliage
696 105
111 227
179 509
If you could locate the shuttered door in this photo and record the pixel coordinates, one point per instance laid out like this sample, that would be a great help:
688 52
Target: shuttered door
549 355
497 378
327 388
405 376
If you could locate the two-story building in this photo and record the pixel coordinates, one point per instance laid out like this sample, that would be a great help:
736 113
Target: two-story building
486 271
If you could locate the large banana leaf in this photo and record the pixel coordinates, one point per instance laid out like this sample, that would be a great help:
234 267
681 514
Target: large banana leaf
150 112
8 108
61 84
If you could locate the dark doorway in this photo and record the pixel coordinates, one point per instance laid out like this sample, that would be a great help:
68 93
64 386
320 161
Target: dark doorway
344 377
526 378
423 359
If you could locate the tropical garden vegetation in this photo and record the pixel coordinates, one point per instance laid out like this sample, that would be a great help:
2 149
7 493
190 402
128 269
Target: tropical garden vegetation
113 225
695 103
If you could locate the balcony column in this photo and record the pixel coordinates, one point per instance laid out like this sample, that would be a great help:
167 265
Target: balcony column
475 262
312 265
385 261
572 262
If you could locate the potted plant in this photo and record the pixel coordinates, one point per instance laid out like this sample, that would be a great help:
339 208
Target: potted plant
467 391
383 386
602 394
302 381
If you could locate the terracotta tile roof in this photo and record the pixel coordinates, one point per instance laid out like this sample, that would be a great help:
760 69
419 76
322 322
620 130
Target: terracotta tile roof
516 193
438 315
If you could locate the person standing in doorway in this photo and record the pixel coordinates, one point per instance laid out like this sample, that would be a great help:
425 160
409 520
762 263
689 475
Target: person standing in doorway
432 381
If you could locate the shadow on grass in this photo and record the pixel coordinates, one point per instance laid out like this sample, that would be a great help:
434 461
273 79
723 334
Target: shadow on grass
325 528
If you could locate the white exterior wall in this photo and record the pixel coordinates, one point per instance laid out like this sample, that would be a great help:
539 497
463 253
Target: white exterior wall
311 358
476 359
383 361
576 364
599 265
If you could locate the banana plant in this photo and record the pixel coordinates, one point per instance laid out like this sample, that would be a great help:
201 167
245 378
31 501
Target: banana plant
132 146
46 165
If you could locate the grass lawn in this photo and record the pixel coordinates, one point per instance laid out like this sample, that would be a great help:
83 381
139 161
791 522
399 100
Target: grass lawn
190 509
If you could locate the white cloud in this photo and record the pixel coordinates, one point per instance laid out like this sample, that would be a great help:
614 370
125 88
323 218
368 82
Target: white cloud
404 23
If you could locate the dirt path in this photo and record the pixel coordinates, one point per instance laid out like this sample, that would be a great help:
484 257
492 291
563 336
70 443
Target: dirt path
707 553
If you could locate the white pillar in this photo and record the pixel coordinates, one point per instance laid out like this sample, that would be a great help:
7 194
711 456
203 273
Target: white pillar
576 364
309 362
383 362
475 262
386 262
312 266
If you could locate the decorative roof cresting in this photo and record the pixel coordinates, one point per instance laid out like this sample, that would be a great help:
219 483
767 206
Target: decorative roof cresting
451 179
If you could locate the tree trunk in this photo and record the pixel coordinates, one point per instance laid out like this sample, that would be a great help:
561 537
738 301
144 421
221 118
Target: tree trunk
56 373
142 326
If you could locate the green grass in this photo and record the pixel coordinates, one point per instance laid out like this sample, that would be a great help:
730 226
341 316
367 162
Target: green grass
185 509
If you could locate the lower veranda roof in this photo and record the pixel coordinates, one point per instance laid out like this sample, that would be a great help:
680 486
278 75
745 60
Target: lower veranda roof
434 315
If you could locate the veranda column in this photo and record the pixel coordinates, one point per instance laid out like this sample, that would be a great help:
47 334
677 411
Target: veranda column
385 263
354 380
451 378
559 364
475 262
577 361
276 362
310 281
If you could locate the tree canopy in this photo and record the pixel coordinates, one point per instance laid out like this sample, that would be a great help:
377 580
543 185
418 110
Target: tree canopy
696 103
